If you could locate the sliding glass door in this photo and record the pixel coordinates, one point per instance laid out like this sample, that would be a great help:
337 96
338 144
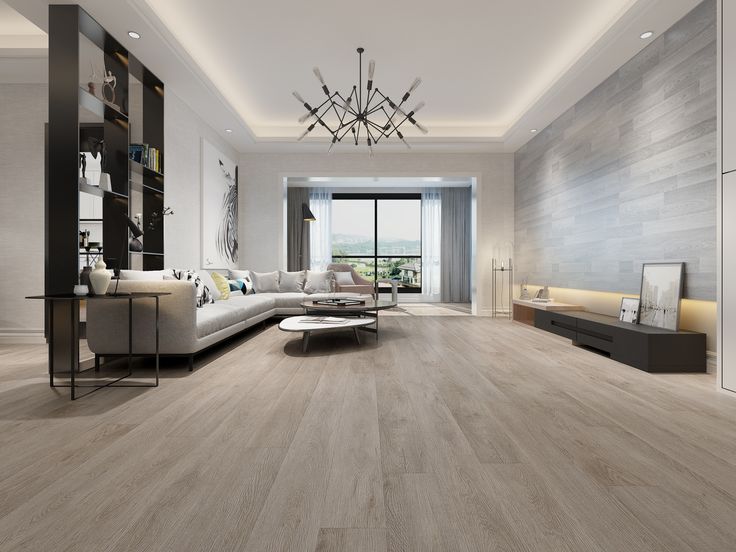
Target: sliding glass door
380 235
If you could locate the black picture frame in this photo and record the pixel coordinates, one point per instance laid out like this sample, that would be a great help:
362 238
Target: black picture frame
662 311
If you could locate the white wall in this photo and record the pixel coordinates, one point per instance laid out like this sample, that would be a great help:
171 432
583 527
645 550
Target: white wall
23 113
183 133
262 198
23 109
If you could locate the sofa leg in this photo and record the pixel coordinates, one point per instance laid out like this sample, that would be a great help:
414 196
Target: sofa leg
97 363
191 363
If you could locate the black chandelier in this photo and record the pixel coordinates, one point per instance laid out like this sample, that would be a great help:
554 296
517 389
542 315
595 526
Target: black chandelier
379 116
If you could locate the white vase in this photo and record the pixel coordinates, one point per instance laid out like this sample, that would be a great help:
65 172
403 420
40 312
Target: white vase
100 278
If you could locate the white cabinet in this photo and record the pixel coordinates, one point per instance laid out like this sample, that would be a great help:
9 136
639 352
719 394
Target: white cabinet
728 76
728 294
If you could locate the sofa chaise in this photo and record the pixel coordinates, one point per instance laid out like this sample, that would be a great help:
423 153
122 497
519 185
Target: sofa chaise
184 329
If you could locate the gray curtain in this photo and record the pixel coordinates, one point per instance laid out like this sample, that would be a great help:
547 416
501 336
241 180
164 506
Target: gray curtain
455 248
296 230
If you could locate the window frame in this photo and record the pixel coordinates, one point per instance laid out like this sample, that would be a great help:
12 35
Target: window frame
376 197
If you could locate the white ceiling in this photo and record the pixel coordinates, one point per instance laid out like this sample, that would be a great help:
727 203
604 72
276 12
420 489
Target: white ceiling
491 69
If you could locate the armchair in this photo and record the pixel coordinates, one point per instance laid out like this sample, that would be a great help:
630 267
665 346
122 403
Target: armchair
360 286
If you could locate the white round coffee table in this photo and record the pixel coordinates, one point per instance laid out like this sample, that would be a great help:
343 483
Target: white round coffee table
309 325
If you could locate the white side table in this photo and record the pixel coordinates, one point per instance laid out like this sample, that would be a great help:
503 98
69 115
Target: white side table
394 288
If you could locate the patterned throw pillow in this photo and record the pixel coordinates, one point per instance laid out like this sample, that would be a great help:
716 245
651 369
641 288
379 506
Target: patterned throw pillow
242 285
203 295
222 285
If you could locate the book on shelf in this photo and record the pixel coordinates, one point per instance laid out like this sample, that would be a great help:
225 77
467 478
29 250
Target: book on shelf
146 155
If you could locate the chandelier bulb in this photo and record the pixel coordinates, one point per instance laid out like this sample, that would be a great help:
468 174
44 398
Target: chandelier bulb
421 127
298 97
304 117
332 145
406 143
419 106
415 84
318 74
302 135
371 69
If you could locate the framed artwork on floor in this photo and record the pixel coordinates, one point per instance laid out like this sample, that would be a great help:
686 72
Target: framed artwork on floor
219 209
661 291
629 310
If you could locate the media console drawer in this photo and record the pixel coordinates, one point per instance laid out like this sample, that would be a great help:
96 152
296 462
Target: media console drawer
644 347
556 323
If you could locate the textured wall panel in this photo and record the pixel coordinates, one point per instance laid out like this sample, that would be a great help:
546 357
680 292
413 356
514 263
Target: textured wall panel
628 174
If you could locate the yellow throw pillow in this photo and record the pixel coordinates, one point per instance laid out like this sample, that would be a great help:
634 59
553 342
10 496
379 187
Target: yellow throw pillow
222 285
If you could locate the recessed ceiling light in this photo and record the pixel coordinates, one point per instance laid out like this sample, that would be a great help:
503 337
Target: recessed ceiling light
646 34
228 130
533 130
133 34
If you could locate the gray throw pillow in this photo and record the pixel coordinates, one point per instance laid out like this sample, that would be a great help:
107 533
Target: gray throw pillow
266 282
292 281
344 278
319 282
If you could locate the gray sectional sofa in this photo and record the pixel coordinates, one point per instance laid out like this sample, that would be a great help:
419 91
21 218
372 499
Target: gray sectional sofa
184 329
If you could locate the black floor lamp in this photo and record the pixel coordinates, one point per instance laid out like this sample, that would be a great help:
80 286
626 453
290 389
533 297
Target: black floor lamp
307 216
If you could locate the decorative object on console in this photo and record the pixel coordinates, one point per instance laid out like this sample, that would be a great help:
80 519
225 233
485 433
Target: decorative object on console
110 81
524 293
81 289
98 147
135 244
502 276
379 115
100 278
661 291
629 310
83 167
157 218
219 209
542 294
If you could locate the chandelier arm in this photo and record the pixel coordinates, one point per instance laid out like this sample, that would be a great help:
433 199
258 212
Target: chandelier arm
376 107
344 109
315 110
393 124
370 134
377 127
347 126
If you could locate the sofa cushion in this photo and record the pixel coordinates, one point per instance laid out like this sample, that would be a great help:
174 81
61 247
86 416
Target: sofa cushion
216 317
236 274
319 282
266 282
344 278
222 285
291 281
145 275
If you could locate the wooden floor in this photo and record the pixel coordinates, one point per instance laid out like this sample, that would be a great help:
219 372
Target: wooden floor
449 433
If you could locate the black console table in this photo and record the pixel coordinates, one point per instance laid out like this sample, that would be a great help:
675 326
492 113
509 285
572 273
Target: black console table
644 347
63 338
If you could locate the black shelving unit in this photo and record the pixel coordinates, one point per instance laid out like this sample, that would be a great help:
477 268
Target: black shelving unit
78 112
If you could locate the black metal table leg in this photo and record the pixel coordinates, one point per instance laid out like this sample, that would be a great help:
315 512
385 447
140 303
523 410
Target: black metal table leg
73 363
51 343
157 355
130 336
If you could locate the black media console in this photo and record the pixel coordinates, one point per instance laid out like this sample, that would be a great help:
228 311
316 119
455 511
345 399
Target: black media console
644 347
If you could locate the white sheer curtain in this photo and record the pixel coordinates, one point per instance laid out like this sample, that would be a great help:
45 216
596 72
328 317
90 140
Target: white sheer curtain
431 242
320 236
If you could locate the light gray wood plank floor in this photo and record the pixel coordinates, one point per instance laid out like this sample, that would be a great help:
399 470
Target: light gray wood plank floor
448 433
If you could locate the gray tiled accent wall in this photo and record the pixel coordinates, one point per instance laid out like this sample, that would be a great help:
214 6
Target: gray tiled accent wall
628 174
